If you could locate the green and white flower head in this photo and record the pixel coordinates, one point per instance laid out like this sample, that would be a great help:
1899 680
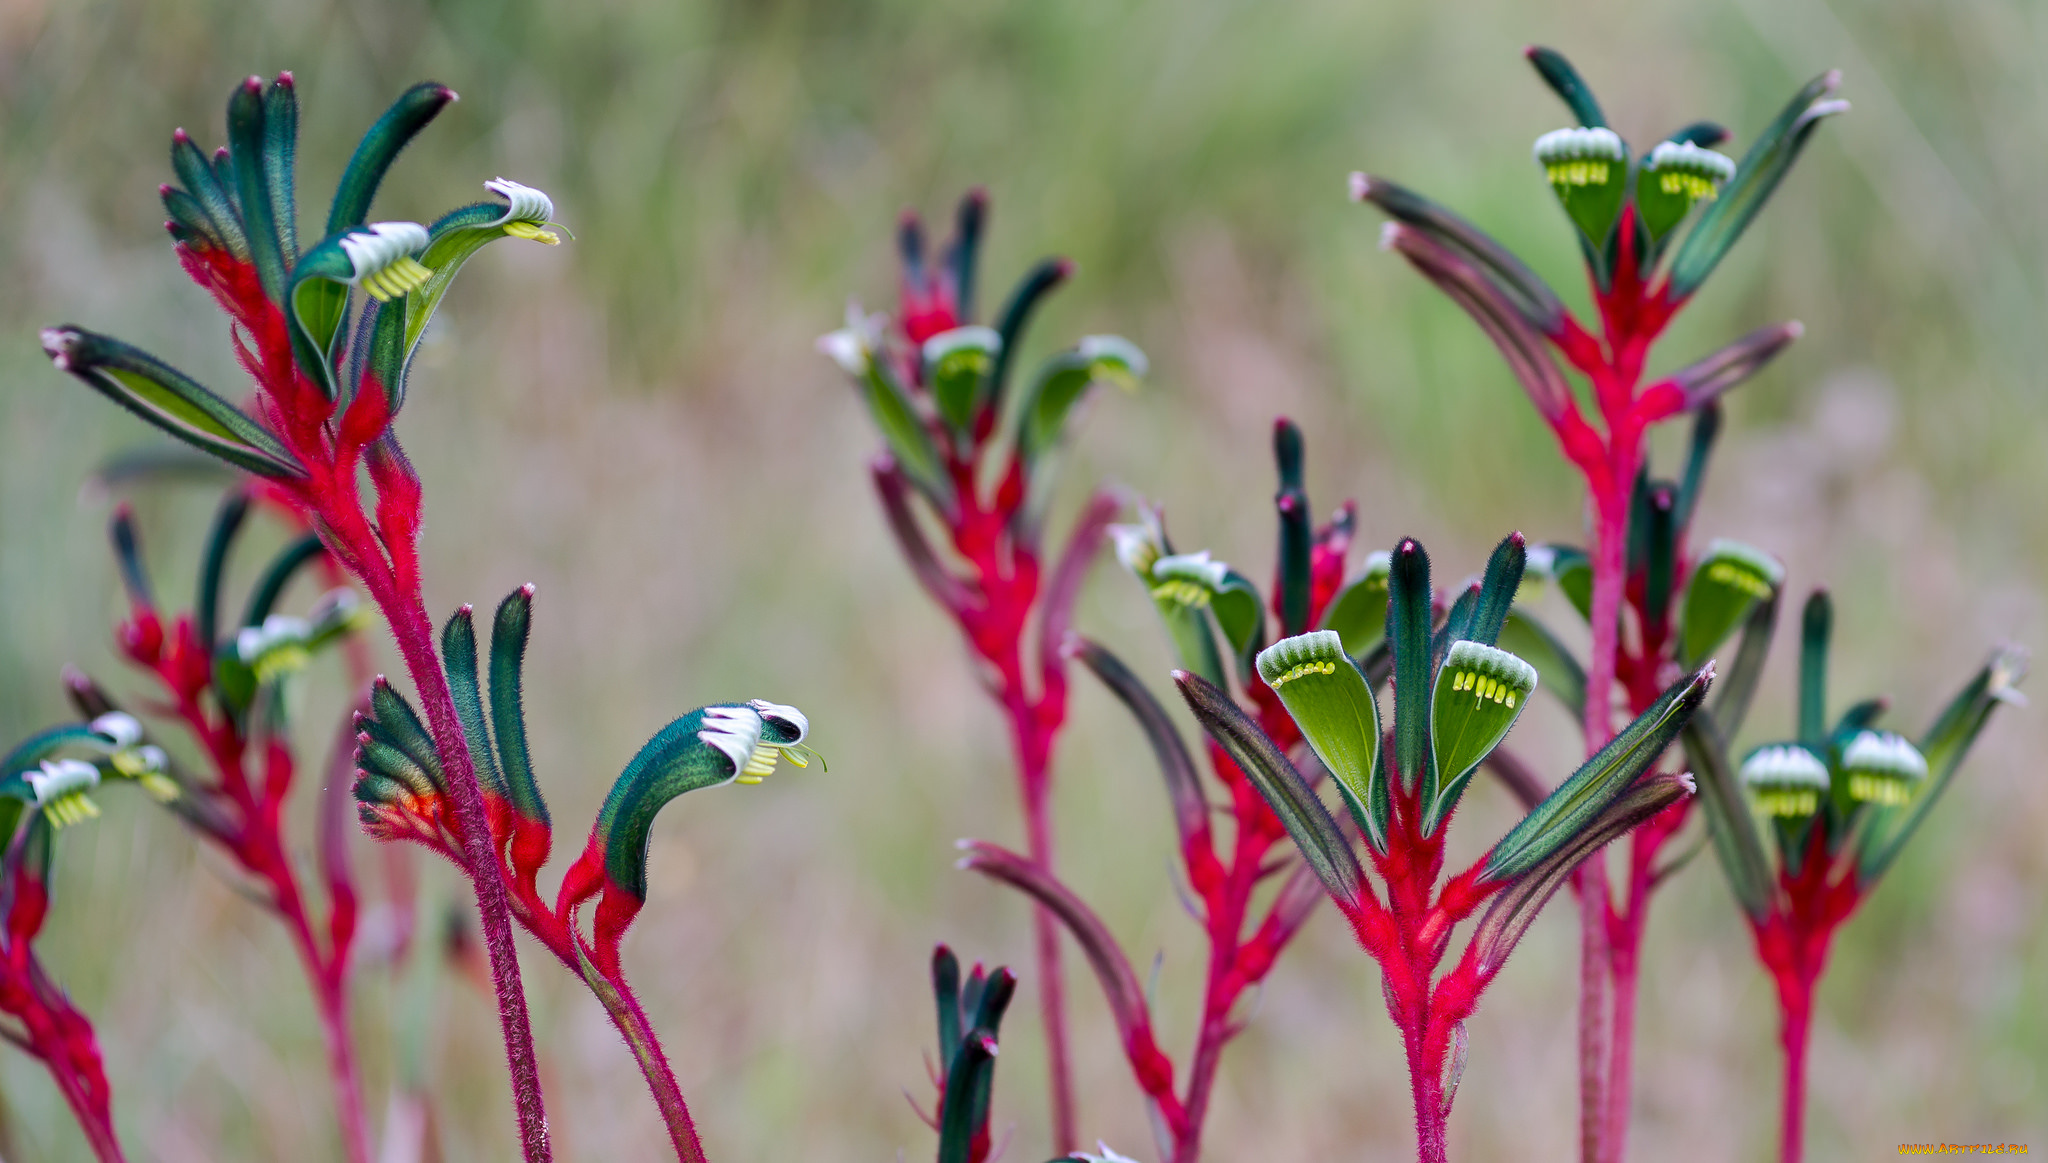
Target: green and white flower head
129 756
1189 580
380 255
529 214
1882 768
61 787
1139 547
1727 582
121 729
1675 177
854 345
281 645
1585 166
1488 674
1786 780
1580 156
1114 358
756 734
1684 168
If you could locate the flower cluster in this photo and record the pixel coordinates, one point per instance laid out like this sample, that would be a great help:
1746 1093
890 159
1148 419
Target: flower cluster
1456 695
46 784
1208 608
964 452
1652 225
223 684
1838 803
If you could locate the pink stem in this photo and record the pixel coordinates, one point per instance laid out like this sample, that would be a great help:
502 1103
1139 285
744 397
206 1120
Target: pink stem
1610 533
1425 1080
1795 1001
407 617
624 1008
1052 994
341 1063
1626 946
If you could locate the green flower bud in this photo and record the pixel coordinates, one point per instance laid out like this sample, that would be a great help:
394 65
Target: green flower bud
1786 780
1882 768
1675 176
1586 167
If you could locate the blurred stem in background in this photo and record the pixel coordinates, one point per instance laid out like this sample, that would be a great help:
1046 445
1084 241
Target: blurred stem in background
974 459
1206 605
1627 211
224 684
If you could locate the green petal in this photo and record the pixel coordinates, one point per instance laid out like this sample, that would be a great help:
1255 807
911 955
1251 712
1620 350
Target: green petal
956 364
1333 704
171 400
1727 583
1359 611
1480 692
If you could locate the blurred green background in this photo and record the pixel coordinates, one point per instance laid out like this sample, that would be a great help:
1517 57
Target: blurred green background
636 421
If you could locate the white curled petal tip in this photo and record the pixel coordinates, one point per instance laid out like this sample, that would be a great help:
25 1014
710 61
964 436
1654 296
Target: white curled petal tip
120 727
782 712
381 244
732 730
57 778
847 348
1360 184
1114 349
527 203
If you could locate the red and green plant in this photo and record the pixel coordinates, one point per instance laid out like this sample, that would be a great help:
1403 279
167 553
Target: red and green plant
968 458
1839 803
329 374
1652 228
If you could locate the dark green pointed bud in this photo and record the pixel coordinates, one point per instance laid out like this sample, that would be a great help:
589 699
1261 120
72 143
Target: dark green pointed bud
1333 704
1480 692
1676 176
1880 767
1587 168
956 363
1727 583
1785 780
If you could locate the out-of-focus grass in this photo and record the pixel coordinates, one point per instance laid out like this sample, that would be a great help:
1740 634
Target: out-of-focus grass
636 422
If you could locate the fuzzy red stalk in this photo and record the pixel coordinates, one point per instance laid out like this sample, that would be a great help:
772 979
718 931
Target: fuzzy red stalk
1792 940
383 557
1012 613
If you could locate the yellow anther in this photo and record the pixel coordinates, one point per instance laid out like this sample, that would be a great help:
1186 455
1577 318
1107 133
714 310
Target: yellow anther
532 231
1694 186
1306 668
1511 698
1794 803
1879 789
1730 574
1579 172
749 779
1181 592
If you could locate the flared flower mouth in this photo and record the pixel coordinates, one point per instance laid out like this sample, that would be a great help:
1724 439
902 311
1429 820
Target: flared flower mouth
1786 780
1686 169
1882 768
755 736
60 787
381 255
529 211
1580 156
